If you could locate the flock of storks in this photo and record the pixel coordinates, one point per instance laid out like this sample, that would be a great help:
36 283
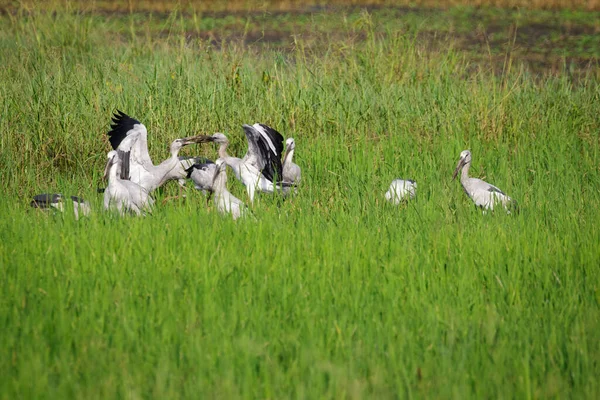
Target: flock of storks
132 177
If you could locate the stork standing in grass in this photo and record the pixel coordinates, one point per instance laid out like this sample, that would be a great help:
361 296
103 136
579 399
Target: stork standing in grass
483 194
261 167
401 190
122 194
291 172
225 202
57 201
130 135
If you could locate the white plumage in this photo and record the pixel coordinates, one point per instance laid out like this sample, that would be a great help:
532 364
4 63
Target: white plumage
225 202
483 194
122 194
291 171
401 190
202 174
129 135
261 167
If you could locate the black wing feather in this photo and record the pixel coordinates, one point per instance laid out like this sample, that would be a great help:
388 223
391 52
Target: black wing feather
275 137
273 169
124 160
494 189
45 200
122 123
198 166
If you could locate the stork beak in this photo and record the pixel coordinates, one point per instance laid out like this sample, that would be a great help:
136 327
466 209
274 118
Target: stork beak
197 139
109 164
459 166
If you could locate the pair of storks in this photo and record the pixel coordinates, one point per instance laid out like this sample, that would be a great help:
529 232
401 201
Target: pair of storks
483 194
132 176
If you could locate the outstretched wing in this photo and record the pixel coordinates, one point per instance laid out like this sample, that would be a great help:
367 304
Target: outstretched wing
267 144
124 159
130 135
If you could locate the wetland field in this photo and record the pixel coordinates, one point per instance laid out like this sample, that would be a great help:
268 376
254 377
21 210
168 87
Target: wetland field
333 292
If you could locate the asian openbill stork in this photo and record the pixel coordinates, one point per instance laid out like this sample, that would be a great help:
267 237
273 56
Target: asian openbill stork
483 194
400 190
202 174
129 135
121 193
261 166
56 201
225 202
291 172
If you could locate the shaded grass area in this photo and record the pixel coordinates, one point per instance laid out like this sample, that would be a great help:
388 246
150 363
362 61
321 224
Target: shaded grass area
332 293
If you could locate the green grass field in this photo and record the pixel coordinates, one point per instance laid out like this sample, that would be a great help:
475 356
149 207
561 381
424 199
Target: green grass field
332 293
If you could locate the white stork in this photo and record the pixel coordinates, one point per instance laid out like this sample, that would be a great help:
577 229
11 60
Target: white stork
482 193
225 202
122 194
130 136
261 166
47 201
401 190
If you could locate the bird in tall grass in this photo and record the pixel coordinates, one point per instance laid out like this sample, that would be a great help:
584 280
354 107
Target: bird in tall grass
202 174
483 194
261 167
56 201
401 190
130 135
225 202
122 194
291 172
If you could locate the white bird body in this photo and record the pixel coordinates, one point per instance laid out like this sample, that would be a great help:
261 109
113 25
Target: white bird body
225 202
483 194
202 174
401 190
262 163
122 194
129 135
291 171
57 201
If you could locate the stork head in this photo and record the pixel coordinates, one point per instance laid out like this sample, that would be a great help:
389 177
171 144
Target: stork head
465 158
110 160
219 138
290 144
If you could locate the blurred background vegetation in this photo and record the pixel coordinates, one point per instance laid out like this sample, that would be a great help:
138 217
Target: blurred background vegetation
287 5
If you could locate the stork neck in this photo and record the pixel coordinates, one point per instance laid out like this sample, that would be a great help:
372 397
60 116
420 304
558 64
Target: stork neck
220 183
223 150
174 152
113 172
288 156
464 174
234 164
